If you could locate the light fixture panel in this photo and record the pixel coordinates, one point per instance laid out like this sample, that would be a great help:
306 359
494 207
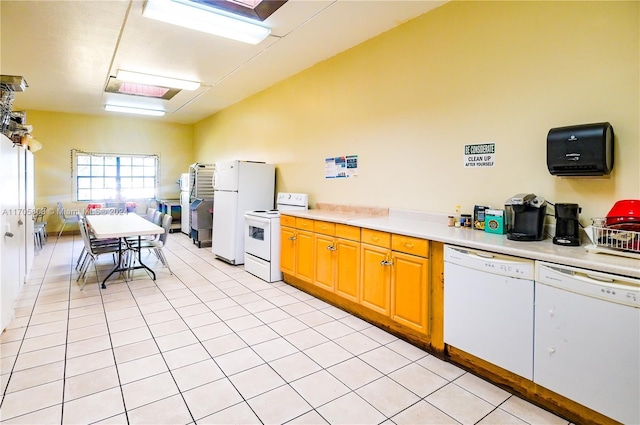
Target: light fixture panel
131 110
208 20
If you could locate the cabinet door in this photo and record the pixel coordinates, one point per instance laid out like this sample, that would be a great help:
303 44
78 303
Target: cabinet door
305 256
288 250
409 291
348 273
376 278
325 261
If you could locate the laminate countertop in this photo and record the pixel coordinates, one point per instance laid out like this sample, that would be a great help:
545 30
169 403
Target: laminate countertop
432 226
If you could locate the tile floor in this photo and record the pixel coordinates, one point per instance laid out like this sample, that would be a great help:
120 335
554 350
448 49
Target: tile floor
214 344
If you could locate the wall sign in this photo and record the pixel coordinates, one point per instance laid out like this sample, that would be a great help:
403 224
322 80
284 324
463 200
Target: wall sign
481 155
341 166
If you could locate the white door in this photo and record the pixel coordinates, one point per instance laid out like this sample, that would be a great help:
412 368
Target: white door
9 230
225 215
27 202
226 175
257 236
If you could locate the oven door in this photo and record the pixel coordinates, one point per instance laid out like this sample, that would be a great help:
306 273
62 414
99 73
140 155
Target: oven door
257 236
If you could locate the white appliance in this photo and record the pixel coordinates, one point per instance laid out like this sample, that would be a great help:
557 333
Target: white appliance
262 236
240 186
488 307
184 204
587 339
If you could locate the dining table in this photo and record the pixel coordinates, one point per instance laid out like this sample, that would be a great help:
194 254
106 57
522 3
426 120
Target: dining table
123 226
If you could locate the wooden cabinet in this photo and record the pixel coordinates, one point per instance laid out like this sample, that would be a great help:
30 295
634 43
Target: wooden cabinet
395 276
410 281
375 290
376 278
348 268
325 261
296 250
409 290
378 272
337 259
288 257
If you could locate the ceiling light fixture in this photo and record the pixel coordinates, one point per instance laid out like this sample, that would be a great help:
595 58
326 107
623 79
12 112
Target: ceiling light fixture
201 18
156 80
130 110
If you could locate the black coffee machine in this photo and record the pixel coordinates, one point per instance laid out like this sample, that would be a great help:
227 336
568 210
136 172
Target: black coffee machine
525 214
567 225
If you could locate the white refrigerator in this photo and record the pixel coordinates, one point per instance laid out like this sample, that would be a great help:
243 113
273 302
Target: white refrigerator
240 186
185 203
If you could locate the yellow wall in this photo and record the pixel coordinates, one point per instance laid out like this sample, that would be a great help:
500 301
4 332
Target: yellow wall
59 133
407 101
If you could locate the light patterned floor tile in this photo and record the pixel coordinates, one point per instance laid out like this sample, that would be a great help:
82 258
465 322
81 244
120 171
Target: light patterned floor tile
255 381
279 405
94 407
197 374
211 398
350 409
319 388
169 411
460 404
387 396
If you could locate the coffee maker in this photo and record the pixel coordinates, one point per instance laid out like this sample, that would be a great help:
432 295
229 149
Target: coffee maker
525 213
567 225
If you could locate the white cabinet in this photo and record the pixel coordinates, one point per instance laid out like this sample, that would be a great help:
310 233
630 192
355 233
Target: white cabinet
16 223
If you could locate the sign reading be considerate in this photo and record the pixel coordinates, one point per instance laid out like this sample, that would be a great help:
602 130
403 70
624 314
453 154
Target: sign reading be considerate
479 156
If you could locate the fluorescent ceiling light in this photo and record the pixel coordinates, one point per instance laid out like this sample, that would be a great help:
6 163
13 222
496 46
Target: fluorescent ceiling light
207 20
130 110
156 80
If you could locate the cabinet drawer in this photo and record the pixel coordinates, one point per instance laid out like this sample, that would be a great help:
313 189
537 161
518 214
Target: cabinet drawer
304 223
287 220
324 227
410 245
376 237
348 232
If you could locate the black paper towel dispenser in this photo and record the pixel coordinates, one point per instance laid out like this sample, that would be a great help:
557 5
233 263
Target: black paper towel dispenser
580 150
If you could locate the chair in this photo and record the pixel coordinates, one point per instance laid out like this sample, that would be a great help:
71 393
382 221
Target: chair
65 220
92 252
157 218
95 242
154 245
150 213
39 228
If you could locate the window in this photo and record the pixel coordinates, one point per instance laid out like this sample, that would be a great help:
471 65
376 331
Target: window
118 177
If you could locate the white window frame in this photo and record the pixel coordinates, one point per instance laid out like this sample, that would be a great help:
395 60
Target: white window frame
76 154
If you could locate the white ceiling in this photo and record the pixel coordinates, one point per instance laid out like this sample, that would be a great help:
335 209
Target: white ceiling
66 50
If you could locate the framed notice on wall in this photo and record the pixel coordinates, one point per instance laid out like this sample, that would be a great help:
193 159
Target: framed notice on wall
341 167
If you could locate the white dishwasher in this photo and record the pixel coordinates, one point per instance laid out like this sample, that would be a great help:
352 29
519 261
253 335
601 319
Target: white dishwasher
488 307
587 339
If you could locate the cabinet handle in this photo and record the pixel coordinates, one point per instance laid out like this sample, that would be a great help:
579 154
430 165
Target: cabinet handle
386 263
8 234
293 238
552 350
408 245
20 223
375 238
332 248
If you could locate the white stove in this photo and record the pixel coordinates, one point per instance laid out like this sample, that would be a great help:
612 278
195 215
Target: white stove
262 236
